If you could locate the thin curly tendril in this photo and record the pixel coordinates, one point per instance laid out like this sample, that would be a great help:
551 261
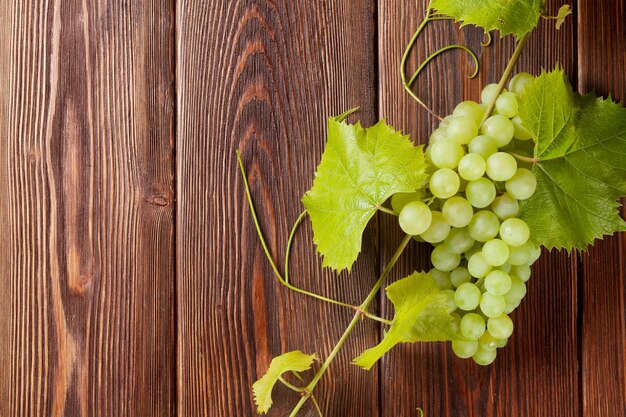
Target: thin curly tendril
488 41
408 84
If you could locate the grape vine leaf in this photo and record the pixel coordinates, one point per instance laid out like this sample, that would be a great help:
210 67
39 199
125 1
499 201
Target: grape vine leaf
290 361
580 149
422 315
564 11
517 17
359 170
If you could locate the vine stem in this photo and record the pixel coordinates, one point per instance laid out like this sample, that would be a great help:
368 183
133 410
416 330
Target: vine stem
285 280
407 84
355 320
267 251
289 385
507 74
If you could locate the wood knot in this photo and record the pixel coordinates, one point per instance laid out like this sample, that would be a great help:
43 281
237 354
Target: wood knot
158 201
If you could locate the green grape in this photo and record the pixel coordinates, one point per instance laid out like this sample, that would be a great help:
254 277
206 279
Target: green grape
495 252
506 105
472 166
492 305
522 271
501 166
502 342
467 296
499 128
514 232
483 145
458 240
489 93
449 300
505 206
446 153
522 185
418 239
457 211
444 183
484 357
510 306
519 81
415 217
459 276
480 193
500 327
517 291
472 326
506 267
464 348
535 252
497 282
477 265
462 129
519 255
439 133
438 229
488 342
520 132
399 200
442 279
483 226
470 109
455 323
443 259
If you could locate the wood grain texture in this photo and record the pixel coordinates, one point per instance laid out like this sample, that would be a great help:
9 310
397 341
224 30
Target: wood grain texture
108 309
87 278
537 372
263 77
602 42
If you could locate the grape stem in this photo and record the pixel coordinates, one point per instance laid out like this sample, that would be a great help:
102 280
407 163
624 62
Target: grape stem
506 75
386 210
524 158
308 390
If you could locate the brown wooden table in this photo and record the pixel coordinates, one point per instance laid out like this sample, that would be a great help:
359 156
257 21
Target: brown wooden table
131 279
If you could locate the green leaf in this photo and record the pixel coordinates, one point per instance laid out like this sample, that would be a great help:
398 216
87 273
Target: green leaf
517 17
422 315
360 169
564 11
581 163
291 361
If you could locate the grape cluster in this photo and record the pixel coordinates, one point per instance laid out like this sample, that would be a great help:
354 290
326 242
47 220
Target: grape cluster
482 253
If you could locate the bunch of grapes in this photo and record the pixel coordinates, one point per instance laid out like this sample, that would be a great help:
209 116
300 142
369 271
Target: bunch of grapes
482 253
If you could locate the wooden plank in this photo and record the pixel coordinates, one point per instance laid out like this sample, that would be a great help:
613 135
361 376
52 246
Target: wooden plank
537 373
602 42
86 175
263 77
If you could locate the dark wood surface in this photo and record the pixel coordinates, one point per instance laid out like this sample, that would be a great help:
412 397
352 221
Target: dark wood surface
87 284
602 329
277 69
131 279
